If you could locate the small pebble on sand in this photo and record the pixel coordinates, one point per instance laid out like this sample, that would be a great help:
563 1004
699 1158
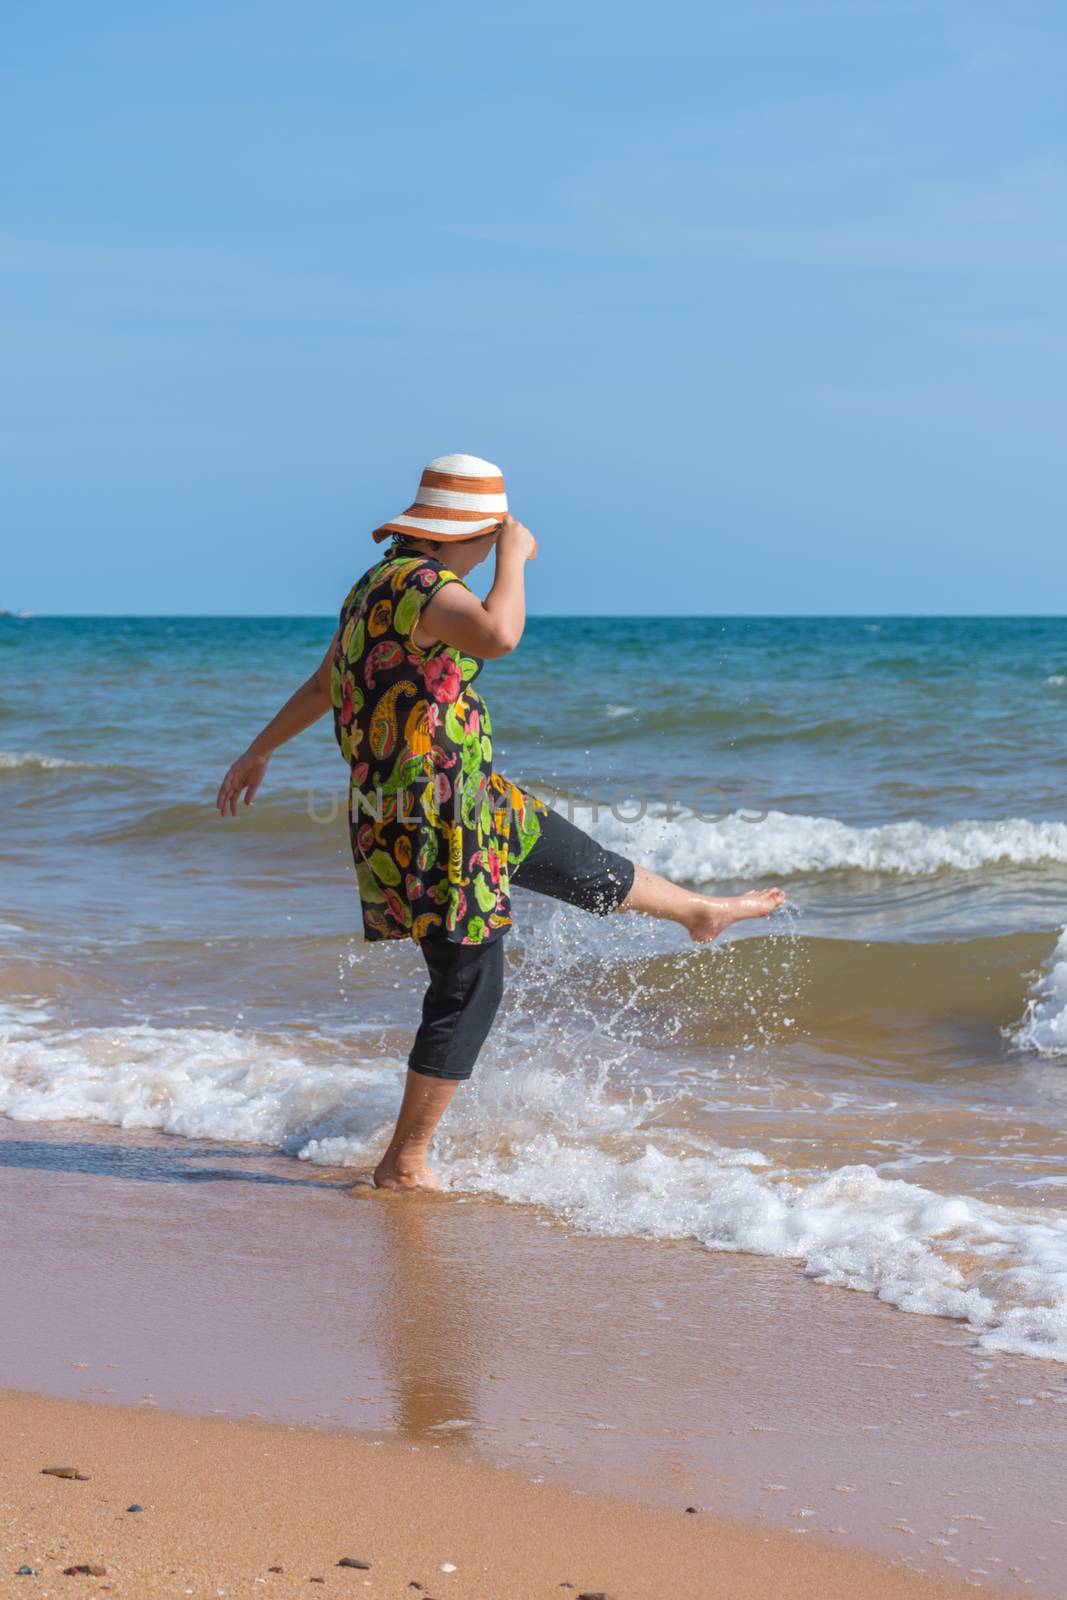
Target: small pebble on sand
353 1561
64 1472
25 1572
447 1566
84 1569
135 1507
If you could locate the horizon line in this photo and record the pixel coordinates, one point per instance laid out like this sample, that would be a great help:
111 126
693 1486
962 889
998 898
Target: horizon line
550 616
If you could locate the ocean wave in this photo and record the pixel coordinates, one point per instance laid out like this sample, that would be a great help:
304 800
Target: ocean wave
782 845
563 1141
863 1001
687 847
741 727
1044 1025
308 813
30 760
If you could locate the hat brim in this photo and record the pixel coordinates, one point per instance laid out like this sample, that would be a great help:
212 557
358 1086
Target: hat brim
437 522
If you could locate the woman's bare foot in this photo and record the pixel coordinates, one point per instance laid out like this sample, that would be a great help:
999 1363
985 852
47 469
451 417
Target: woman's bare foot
405 1164
710 917
405 1171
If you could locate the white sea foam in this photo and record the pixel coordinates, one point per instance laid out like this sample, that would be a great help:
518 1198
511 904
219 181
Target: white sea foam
1003 1272
563 1141
200 1083
12 760
1044 1025
1057 680
782 844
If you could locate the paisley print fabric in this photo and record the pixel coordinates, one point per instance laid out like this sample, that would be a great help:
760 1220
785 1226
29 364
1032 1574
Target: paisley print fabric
435 831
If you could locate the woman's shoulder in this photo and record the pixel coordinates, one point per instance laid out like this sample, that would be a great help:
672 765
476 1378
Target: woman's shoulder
395 576
355 595
420 572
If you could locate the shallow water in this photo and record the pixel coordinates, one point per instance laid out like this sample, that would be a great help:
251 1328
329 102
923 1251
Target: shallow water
872 1084
223 1278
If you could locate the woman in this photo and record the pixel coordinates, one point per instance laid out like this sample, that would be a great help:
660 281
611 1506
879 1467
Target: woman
438 837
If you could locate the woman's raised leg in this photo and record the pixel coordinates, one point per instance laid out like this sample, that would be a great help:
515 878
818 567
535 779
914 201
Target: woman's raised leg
703 916
566 863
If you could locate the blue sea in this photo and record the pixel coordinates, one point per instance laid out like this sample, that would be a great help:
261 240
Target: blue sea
871 1084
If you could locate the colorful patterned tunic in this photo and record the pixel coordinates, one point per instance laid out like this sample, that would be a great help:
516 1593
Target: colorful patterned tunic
434 830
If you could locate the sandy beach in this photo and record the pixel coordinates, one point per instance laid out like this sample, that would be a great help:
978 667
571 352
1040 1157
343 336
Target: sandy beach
240 1508
533 671
556 1401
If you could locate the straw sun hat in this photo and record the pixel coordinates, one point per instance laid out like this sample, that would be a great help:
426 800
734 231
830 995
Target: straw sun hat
458 497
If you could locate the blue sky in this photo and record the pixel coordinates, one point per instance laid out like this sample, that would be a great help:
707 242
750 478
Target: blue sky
760 306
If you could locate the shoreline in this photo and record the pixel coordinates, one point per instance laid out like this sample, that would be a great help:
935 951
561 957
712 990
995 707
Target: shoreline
240 1508
221 1282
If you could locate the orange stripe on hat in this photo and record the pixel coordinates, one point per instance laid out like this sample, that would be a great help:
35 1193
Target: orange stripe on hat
454 480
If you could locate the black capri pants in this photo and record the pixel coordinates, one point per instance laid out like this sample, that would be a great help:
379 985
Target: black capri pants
467 980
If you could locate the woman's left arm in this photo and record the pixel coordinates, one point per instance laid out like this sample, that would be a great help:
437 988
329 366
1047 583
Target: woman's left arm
310 702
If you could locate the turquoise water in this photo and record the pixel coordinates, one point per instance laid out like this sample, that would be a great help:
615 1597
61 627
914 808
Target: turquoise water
875 719
866 721
872 1083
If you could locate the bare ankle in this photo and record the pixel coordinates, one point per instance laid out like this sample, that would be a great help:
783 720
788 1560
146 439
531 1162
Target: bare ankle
405 1169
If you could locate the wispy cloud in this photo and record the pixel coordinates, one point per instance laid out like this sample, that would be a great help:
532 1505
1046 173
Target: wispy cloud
853 208
929 244
126 260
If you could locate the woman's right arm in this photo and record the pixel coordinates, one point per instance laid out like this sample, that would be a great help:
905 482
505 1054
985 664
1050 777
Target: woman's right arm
491 627
305 706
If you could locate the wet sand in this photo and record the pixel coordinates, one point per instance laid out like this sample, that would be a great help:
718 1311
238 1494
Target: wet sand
454 1337
240 1508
